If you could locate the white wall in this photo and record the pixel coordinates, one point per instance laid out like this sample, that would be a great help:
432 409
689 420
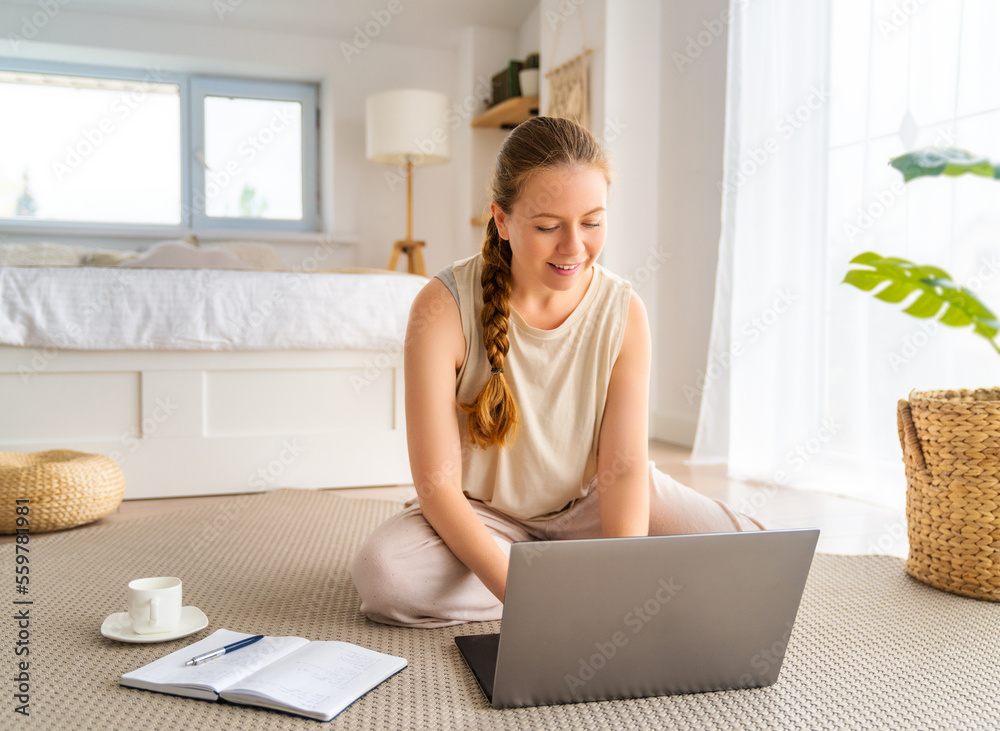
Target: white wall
567 28
529 35
635 248
692 112
484 52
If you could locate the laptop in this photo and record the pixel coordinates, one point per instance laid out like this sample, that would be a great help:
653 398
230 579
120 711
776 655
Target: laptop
610 618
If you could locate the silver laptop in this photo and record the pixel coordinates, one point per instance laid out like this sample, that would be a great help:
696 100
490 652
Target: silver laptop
608 618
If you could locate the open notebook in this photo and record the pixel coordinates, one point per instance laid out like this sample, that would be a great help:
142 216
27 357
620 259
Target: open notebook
291 674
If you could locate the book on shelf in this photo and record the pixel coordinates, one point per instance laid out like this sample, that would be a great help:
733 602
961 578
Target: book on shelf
316 679
506 84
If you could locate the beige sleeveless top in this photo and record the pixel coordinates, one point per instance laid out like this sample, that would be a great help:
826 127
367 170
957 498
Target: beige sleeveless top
559 379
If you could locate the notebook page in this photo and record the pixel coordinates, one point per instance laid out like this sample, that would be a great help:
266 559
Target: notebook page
172 672
320 679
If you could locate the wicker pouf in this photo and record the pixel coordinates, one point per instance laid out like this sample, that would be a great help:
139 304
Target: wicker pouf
951 450
63 488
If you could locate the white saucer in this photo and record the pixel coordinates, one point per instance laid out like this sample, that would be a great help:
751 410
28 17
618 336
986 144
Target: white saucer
118 627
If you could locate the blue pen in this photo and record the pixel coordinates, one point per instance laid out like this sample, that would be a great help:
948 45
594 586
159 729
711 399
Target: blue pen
223 650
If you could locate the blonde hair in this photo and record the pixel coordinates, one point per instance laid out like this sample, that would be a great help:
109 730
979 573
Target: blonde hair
541 143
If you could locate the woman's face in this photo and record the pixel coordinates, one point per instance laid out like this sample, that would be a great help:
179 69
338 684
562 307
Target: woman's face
556 228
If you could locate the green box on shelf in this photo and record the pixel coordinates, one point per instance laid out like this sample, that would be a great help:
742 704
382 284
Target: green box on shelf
505 83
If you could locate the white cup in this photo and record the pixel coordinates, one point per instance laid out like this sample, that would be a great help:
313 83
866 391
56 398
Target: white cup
154 605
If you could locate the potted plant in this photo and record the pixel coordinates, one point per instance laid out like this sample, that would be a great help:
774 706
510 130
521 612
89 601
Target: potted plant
950 438
528 76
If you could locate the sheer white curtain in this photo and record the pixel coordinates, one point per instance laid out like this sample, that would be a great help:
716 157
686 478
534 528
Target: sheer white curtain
804 372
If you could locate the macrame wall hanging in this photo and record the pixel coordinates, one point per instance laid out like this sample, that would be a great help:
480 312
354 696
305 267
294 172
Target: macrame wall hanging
569 82
569 90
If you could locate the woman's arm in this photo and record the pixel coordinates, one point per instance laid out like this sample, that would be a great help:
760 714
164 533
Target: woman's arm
623 446
432 355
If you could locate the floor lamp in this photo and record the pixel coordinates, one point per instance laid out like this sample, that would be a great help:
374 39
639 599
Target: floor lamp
406 128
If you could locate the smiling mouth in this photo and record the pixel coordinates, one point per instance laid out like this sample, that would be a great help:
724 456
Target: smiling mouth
565 267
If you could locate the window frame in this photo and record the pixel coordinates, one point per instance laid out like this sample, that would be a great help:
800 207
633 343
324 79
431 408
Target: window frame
191 129
305 94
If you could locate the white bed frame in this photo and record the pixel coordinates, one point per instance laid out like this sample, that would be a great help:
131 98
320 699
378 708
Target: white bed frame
207 422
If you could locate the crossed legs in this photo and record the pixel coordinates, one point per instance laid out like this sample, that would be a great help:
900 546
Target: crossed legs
407 576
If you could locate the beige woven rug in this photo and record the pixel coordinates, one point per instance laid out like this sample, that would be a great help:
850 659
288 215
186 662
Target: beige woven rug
872 648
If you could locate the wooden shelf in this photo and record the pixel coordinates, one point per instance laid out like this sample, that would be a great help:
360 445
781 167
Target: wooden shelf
508 114
505 115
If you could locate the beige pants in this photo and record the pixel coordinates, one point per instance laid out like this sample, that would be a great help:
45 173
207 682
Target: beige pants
407 576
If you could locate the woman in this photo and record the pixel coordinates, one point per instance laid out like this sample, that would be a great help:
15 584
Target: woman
527 382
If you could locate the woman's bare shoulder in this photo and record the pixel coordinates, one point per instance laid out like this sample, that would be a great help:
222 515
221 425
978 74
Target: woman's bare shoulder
435 320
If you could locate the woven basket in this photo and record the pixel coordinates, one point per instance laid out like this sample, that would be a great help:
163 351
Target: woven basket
951 450
64 488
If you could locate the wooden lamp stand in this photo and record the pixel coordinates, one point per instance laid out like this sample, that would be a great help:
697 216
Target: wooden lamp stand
413 250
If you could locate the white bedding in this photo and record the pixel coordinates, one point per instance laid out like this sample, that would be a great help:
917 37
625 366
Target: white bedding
198 309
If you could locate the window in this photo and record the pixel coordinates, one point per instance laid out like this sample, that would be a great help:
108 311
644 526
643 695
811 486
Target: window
86 147
89 149
252 154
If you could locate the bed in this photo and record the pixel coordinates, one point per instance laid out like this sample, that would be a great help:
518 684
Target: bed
209 381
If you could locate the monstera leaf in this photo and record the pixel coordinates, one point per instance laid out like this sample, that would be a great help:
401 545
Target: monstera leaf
943 161
939 296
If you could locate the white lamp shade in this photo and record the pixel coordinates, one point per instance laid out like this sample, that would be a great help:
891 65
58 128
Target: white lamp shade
407 124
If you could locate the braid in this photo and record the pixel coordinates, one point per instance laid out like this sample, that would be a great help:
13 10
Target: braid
493 415
496 283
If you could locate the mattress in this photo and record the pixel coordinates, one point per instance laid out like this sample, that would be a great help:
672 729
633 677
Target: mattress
202 309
